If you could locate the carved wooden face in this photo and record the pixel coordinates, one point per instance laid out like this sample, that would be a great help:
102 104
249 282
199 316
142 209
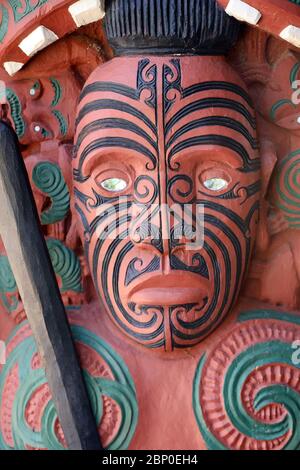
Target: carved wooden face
167 187
279 99
43 108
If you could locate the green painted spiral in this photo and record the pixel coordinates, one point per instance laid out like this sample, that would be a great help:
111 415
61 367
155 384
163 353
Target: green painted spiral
121 390
235 370
288 188
285 101
7 280
20 11
66 265
294 72
49 179
8 285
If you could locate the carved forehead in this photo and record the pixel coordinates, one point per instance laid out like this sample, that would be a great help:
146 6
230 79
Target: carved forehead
194 69
133 103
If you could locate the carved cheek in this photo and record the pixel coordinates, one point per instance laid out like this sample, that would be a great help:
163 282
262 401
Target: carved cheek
30 115
227 200
43 109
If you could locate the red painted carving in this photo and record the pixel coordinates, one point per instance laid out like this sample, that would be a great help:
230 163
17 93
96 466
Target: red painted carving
166 303
38 400
151 304
218 368
55 17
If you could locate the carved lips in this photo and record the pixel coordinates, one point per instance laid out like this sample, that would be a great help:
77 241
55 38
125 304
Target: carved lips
169 289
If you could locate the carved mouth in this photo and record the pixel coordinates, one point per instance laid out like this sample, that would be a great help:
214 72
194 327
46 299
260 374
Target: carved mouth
178 288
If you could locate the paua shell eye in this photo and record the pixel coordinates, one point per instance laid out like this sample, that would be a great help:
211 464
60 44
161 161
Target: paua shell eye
114 184
215 179
113 180
35 90
215 184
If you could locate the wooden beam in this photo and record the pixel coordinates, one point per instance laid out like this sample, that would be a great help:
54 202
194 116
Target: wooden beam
280 18
29 258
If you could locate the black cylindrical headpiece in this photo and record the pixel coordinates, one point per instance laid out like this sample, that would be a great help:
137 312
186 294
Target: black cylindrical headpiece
196 27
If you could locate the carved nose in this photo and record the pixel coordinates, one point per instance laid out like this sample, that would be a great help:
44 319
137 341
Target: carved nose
163 237
148 240
145 229
182 236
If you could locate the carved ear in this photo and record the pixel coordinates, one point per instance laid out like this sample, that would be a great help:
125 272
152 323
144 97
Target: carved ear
279 18
29 27
268 163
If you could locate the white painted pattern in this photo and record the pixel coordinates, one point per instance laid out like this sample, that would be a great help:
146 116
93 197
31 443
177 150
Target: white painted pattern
291 34
12 67
37 40
87 11
243 12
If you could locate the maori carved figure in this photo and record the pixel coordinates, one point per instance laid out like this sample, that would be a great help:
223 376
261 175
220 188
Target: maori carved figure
176 141
40 105
163 148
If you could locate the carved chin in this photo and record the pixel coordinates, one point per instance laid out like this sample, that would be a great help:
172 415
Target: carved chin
171 311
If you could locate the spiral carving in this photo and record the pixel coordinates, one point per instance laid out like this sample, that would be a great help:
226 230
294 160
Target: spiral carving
66 265
28 420
8 287
145 190
288 188
7 280
247 390
49 179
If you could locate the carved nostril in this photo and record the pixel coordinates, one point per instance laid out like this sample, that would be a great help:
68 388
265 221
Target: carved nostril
182 245
188 239
183 236
140 241
145 234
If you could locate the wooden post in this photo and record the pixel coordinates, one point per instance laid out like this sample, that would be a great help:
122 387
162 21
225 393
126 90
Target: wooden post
29 258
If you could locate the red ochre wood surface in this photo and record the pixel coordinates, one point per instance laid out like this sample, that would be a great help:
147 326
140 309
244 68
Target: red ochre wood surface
276 14
159 284
53 14
175 373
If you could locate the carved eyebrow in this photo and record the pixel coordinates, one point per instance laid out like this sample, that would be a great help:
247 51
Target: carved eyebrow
223 141
214 121
104 104
57 91
218 85
63 126
110 87
113 142
225 121
114 123
208 103
149 150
